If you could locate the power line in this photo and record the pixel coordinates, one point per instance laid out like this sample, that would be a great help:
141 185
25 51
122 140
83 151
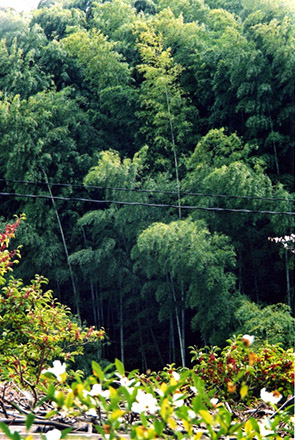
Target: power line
154 205
156 191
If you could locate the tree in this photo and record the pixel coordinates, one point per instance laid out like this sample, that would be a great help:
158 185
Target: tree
48 144
190 10
109 235
272 323
221 169
166 113
288 242
55 20
20 71
192 269
116 20
253 79
187 43
165 110
276 40
109 77
207 90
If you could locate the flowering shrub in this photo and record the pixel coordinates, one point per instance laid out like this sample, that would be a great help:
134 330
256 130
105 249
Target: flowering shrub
142 407
288 241
238 368
34 327
6 256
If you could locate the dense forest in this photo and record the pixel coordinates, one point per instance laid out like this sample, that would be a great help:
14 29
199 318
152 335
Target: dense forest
150 144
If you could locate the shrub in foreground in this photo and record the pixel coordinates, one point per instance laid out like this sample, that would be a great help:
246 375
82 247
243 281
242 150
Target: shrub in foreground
117 404
34 327
239 368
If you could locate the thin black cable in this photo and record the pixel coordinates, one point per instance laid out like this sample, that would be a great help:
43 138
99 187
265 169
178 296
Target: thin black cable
154 205
141 190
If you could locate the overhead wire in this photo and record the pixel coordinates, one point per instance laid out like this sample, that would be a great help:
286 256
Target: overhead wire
153 191
155 205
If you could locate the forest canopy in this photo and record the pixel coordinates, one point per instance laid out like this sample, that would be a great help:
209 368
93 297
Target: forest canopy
150 144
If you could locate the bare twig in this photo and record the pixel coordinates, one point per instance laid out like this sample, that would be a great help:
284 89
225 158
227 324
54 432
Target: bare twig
283 406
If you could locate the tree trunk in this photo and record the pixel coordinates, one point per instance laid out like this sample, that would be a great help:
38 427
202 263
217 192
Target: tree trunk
287 279
171 341
256 286
183 320
141 349
99 304
95 317
274 144
174 152
121 322
178 325
75 292
156 343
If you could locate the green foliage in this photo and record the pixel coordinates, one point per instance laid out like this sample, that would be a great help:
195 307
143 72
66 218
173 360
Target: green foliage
221 167
116 20
217 149
165 110
19 69
34 327
103 65
191 11
273 323
111 171
109 77
195 267
47 133
55 20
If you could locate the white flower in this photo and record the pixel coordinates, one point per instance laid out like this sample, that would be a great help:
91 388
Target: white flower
28 395
58 370
91 412
127 383
264 425
145 402
86 394
248 340
176 375
194 390
273 397
191 414
214 401
159 391
54 434
97 390
178 399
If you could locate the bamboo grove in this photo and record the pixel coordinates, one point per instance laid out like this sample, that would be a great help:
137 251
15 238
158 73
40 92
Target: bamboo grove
151 146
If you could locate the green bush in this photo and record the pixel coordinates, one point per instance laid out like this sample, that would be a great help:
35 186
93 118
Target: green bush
273 323
34 327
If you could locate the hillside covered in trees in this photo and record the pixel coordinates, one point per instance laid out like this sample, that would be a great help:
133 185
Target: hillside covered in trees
150 144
